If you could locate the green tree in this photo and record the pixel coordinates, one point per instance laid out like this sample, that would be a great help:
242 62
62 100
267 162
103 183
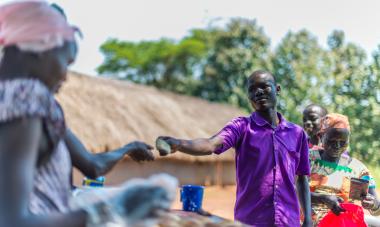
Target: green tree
299 65
238 48
353 93
163 63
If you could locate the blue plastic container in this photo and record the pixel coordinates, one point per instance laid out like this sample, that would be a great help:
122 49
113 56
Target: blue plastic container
98 182
191 197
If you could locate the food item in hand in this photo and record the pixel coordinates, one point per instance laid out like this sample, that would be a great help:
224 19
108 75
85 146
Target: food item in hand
163 147
358 188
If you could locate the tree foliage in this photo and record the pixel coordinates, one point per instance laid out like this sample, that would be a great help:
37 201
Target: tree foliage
164 63
238 49
213 63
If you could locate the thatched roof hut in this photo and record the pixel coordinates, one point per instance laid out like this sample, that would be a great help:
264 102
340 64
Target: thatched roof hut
106 114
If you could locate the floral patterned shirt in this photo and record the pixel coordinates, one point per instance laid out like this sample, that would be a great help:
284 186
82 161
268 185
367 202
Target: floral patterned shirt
332 178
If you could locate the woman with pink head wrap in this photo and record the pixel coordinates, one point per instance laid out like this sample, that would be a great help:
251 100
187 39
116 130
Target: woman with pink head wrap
38 45
331 170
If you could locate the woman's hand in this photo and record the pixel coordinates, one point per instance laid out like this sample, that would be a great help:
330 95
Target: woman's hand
370 202
333 203
140 151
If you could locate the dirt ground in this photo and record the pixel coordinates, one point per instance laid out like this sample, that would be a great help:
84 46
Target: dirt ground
219 201
216 200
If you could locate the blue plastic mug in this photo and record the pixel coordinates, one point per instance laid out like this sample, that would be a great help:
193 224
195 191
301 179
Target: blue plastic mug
191 197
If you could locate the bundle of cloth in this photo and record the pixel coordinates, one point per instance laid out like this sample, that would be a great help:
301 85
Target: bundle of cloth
137 202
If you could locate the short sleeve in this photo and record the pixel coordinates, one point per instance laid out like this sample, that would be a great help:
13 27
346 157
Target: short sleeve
231 134
365 174
23 98
304 163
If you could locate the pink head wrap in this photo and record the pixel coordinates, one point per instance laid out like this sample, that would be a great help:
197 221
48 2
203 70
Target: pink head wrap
33 26
334 120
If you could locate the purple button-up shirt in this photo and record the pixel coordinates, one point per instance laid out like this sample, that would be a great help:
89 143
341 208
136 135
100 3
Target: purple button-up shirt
267 162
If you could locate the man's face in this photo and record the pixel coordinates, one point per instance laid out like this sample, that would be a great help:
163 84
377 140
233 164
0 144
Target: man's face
262 92
335 141
312 119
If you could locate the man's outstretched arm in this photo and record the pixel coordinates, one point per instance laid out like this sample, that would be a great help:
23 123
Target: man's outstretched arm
196 147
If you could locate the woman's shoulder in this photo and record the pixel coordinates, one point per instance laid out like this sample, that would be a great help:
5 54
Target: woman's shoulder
30 98
356 164
25 97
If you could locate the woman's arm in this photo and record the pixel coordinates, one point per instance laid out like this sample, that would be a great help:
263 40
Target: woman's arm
371 202
19 143
316 197
332 201
94 165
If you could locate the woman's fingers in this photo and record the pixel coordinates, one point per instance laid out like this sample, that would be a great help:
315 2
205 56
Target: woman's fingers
340 199
368 202
337 209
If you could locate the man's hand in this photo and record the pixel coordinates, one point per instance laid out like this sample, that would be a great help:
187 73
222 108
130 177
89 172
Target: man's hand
140 151
172 142
370 202
333 202
197 147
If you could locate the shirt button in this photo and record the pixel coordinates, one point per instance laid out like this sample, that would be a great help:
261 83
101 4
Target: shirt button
276 186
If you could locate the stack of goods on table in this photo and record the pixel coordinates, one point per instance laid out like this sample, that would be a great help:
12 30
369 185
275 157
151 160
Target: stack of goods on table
140 203
178 218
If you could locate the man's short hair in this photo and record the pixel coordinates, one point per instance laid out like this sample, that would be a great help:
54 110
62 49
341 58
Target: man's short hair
260 72
324 110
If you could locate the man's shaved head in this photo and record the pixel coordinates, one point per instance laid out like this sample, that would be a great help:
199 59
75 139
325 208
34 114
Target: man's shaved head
258 73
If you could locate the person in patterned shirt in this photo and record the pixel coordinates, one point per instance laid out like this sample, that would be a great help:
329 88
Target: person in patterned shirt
331 171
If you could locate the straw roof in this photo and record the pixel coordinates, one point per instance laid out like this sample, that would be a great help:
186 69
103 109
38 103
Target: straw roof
106 114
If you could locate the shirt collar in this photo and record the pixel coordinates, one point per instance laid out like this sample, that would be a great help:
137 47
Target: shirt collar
260 121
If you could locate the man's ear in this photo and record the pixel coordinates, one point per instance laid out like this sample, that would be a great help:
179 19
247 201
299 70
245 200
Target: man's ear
278 89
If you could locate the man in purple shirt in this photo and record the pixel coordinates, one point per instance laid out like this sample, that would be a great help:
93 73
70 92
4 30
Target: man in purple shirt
271 159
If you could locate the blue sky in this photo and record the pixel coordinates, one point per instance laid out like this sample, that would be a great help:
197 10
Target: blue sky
136 20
